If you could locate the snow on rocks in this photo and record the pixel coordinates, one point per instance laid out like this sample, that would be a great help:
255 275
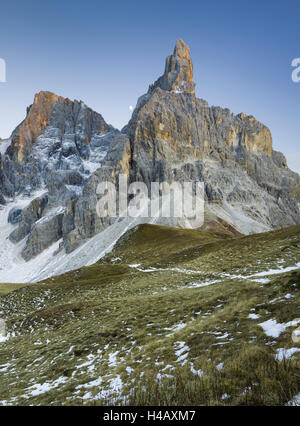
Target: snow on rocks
51 214
4 144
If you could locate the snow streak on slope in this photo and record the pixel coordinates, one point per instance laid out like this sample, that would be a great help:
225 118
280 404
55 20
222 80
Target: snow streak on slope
4 144
237 218
101 244
13 268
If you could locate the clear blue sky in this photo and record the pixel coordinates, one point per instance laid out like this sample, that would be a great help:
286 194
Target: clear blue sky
106 53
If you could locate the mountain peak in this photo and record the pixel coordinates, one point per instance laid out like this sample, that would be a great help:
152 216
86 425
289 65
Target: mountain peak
181 49
45 94
178 75
59 114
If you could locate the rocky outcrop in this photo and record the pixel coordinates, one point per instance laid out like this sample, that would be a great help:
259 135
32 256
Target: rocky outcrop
73 193
82 219
29 216
14 216
63 186
178 75
2 200
44 232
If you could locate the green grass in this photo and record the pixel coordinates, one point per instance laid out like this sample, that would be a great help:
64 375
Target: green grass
8 288
141 318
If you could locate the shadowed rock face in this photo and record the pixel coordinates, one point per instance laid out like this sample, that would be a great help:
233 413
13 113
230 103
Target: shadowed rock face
68 149
31 214
43 233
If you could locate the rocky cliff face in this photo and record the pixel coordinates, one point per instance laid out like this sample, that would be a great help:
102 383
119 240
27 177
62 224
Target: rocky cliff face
175 136
58 146
57 134
67 149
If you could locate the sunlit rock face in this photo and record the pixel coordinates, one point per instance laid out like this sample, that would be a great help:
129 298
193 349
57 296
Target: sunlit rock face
65 149
176 136
170 123
178 75
57 130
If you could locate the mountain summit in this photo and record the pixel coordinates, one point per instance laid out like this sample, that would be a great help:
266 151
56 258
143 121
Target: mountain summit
72 121
176 136
178 75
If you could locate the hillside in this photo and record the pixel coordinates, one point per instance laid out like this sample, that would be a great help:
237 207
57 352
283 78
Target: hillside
170 316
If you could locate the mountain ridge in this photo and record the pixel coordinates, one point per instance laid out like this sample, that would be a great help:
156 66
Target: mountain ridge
67 149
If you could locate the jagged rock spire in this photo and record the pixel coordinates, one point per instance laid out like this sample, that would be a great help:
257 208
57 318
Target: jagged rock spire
181 49
178 75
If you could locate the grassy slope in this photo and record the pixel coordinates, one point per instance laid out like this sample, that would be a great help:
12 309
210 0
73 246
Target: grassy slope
8 288
137 327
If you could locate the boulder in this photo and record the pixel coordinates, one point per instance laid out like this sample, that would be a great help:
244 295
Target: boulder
29 216
14 216
44 232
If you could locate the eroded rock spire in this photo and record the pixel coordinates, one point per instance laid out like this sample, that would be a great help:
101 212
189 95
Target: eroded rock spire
178 75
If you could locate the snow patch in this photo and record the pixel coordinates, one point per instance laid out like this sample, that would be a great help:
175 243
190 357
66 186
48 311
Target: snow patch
273 329
285 353
253 316
4 144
